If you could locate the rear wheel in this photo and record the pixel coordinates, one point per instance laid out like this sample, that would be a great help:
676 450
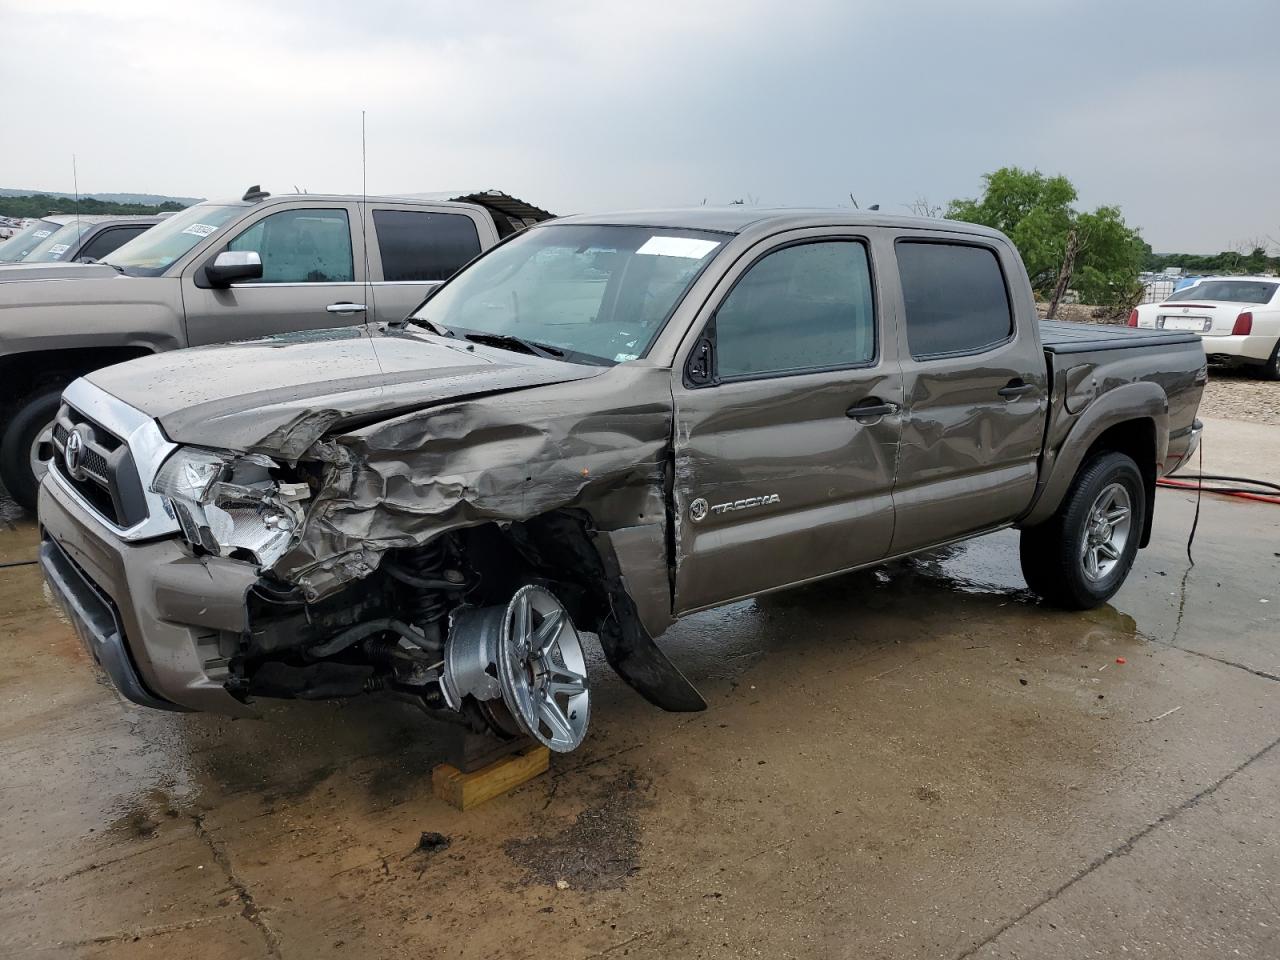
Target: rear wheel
27 447
1081 555
1271 370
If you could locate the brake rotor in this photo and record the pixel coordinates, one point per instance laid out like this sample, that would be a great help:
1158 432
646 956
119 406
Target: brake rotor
524 666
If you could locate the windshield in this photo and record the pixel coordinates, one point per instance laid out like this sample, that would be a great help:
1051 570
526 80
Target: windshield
59 244
601 292
25 240
150 254
1228 291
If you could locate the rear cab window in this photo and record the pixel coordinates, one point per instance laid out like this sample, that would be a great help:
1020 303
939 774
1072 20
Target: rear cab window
956 298
419 245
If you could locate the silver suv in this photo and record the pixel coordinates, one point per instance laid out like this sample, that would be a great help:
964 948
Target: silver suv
220 271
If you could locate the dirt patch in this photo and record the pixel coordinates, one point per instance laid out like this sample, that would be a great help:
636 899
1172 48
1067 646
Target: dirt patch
598 851
1082 313
144 817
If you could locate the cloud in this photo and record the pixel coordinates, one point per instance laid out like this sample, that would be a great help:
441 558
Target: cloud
581 106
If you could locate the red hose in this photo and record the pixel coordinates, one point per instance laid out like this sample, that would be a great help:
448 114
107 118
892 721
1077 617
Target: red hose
1243 495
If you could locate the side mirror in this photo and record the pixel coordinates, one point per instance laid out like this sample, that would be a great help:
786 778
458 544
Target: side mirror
233 265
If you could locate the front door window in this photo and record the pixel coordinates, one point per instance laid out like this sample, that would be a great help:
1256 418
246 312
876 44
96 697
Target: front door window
301 246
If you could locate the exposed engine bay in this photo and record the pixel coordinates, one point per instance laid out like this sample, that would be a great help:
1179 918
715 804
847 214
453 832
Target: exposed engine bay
474 627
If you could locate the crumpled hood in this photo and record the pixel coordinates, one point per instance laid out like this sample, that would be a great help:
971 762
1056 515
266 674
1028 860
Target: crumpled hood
55 271
280 394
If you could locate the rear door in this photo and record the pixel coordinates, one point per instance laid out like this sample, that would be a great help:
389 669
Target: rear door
975 386
786 424
312 275
414 247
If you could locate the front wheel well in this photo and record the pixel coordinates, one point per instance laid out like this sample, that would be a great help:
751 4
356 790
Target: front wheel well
21 374
1136 439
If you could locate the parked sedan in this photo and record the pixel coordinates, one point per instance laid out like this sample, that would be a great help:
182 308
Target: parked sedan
1238 318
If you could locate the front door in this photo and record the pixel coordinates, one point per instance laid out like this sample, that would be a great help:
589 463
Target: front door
786 422
976 391
312 278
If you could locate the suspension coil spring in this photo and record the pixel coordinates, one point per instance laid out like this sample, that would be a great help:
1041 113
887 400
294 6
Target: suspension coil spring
379 651
423 571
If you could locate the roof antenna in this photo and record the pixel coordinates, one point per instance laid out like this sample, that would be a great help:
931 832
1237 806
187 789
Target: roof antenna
75 182
369 305
364 220
855 202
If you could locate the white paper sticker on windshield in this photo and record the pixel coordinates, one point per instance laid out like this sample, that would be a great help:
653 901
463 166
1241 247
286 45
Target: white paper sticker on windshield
691 248
41 234
624 357
200 229
58 249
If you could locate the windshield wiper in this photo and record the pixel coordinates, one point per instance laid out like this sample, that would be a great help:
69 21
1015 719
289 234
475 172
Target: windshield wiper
438 329
506 341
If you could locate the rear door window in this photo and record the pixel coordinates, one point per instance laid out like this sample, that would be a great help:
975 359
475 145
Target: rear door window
955 297
301 246
417 245
108 241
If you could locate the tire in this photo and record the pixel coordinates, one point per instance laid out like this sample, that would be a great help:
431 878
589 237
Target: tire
1079 557
1271 369
33 417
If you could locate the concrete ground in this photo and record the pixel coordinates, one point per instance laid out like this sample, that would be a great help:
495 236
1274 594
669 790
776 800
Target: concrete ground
913 762
1238 449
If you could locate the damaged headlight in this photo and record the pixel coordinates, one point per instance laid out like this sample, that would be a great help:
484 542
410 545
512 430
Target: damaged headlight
229 505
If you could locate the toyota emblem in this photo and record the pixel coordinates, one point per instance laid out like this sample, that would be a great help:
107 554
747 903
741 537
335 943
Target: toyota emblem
74 453
697 509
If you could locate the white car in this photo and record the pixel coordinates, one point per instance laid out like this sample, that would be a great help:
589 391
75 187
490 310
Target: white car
1238 318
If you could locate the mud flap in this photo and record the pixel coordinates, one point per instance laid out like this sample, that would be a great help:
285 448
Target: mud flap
638 660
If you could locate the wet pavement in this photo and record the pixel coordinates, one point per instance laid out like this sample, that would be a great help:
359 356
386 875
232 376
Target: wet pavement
913 762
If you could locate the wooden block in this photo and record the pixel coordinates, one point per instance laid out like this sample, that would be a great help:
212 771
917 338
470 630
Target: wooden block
467 790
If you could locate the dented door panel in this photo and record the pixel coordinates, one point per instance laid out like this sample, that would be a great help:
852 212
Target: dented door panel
969 456
774 482
793 489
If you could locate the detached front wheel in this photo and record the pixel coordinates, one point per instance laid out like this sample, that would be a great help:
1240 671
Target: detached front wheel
1081 555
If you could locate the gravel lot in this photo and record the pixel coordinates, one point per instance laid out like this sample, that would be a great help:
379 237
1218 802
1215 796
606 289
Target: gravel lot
1237 395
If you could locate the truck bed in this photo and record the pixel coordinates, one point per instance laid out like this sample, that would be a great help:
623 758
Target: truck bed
1065 336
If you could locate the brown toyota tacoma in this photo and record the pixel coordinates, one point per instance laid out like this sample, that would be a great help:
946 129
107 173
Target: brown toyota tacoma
603 424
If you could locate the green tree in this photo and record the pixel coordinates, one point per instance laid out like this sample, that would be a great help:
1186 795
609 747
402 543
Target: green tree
41 204
1035 211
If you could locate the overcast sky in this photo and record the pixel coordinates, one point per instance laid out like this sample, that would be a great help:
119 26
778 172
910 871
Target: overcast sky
1168 109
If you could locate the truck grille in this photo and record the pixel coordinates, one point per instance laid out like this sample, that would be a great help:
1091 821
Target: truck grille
98 465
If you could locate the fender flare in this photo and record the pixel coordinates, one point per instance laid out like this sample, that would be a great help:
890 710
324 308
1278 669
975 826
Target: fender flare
1130 402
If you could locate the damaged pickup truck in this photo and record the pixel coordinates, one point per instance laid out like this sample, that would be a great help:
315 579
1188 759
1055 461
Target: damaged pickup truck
601 425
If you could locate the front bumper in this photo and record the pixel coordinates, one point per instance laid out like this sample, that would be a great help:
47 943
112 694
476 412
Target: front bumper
1250 349
152 615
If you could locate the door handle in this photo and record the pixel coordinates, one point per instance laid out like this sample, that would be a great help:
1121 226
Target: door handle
345 308
1016 388
871 408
